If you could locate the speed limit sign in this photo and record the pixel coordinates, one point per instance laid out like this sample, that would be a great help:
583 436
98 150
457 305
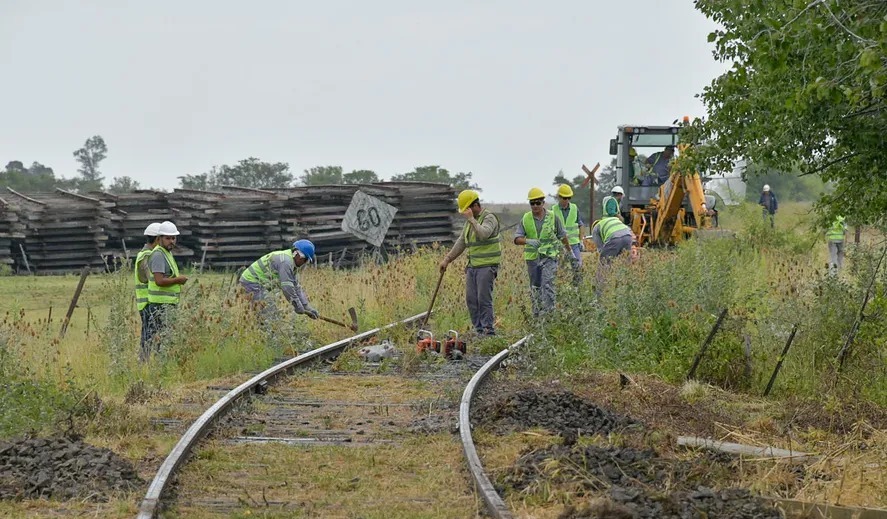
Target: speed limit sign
368 218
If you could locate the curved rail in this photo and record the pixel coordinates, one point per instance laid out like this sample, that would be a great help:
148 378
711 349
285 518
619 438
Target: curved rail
150 504
495 505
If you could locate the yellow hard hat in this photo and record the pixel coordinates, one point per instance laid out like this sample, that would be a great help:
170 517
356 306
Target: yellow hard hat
466 198
565 191
535 193
632 152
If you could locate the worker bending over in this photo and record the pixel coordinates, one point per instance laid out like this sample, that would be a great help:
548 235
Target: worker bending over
278 268
539 232
611 237
480 235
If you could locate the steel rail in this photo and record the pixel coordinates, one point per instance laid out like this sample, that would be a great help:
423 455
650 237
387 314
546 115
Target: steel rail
495 505
151 502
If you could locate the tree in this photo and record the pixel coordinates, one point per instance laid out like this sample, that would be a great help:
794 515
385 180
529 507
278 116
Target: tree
252 173
440 175
90 156
122 185
360 176
36 178
806 90
322 175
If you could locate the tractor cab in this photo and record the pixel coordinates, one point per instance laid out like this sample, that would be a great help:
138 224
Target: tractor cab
643 155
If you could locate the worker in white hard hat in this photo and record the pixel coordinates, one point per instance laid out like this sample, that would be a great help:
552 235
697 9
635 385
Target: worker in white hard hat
612 203
769 204
141 275
165 285
481 237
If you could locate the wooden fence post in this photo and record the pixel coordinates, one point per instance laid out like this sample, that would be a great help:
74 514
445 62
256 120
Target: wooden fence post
83 273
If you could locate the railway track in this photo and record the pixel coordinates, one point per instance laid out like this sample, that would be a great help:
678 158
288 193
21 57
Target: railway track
302 440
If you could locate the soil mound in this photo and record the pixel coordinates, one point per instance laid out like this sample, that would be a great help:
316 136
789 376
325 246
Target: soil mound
559 411
638 484
62 468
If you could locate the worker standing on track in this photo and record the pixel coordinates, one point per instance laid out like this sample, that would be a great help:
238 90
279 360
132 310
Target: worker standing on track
835 237
141 275
278 268
613 201
539 232
164 285
481 236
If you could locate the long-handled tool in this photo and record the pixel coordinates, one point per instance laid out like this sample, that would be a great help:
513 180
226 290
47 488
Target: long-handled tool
351 312
433 297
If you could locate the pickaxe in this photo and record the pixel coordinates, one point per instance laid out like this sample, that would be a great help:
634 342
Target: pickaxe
351 312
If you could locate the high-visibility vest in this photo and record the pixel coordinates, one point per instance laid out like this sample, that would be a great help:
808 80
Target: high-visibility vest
570 222
608 225
483 253
141 288
260 271
547 237
837 230
165 295
607 200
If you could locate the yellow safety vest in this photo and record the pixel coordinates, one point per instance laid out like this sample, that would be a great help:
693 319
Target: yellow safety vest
165 295
141 288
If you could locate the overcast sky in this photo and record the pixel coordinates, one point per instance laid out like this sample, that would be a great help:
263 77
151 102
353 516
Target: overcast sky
512 91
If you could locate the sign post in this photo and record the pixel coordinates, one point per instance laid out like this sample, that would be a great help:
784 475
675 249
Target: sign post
368 218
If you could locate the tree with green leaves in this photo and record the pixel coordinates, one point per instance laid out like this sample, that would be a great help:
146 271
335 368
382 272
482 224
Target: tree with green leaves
322 175
123 184
806 92
251 173
440 175
360 176
90 157
35 178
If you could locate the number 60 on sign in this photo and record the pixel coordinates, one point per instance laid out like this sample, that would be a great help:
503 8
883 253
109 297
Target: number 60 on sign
368 218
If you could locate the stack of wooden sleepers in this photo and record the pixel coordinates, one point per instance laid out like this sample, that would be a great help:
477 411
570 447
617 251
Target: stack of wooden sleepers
130 215
12 231
64 231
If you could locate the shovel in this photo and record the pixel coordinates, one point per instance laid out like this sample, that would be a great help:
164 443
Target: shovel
351 312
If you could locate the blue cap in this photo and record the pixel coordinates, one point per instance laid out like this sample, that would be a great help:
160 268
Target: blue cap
305 247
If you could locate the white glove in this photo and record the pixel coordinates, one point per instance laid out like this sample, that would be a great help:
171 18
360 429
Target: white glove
533 243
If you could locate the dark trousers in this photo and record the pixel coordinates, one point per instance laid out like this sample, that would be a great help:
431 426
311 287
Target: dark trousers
144 351
479 298
152 327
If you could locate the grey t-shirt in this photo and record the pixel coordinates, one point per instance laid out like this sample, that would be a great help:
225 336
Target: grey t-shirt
158 263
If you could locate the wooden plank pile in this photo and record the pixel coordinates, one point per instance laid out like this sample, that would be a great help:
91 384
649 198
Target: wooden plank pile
130 215
232 227
12 231
425 215
64 231
229 228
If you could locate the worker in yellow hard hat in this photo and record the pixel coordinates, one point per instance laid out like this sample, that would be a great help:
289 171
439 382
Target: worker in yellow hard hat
539 232
568 213
481 236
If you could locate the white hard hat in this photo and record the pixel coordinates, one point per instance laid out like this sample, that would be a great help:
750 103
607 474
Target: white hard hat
167 229
618 189
766 187
153 229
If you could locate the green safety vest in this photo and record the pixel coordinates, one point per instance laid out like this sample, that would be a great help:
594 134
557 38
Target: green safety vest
837 230
607 200
261 272
549 242
608 225
141 288
482 253
570 222
165 295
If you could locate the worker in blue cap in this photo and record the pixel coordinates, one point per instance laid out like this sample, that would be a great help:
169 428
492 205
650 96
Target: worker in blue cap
278 268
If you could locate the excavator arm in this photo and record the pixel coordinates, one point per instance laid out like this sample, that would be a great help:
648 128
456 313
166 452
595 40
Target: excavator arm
669 225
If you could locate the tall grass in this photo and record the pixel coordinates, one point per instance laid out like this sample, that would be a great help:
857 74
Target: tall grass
650 316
